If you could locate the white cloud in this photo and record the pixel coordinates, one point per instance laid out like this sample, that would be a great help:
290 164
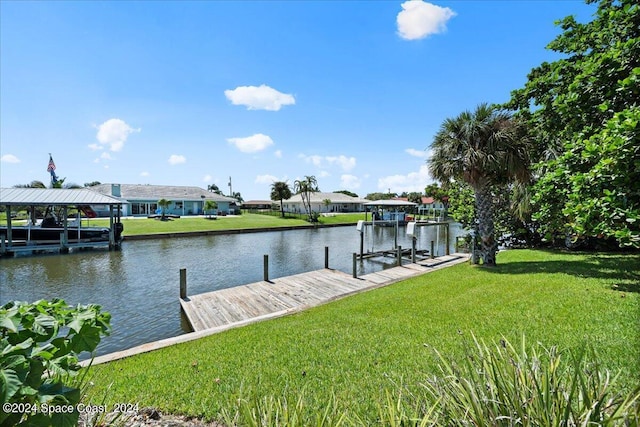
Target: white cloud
260 97
207 178
252 144
423 154
346 163
419 19
95 147
144 173
266 179
278 154
106 156
350 182
114 133
9 158
324 174
176 159
414 181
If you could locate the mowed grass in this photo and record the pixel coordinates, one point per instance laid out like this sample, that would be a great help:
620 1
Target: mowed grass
354 350
140 226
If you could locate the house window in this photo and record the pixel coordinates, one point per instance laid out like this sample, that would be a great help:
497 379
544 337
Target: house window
178 205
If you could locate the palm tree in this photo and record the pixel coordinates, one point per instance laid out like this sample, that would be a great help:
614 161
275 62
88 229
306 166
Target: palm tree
164 204
210 205
484 148
279 191
305 187
326 203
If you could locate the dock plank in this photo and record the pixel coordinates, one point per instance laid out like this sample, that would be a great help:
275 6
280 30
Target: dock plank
242 304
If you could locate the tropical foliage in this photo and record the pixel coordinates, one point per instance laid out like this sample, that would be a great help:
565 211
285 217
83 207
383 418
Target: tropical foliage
164 205
486 149
583 111
39 348
280 191
304 187
209 206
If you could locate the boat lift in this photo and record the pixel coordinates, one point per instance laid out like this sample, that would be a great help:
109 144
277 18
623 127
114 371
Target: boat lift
413 229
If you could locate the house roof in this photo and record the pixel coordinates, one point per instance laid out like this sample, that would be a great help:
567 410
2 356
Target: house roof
54 196
390 202
257 202
155 192
320 197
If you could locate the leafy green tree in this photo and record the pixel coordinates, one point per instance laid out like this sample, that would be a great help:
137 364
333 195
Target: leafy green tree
280 191
485 148
380 196
347 192
32 184
582 110
326 203
209 206
92 183
304 187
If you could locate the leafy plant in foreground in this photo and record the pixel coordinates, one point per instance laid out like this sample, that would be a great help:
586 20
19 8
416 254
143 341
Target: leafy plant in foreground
529 386
39 348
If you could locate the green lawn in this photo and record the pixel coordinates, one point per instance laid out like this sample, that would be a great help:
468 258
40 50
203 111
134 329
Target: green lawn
351 351
138 226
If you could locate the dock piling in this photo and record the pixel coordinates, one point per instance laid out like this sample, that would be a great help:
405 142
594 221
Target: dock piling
355 271
413 250
399 256
266 268
432 250
183 283
326 257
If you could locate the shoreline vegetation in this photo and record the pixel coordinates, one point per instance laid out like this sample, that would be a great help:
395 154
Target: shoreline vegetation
372 359
143 227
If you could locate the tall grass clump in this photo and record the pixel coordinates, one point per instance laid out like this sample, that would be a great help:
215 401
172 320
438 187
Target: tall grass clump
504 385
256 410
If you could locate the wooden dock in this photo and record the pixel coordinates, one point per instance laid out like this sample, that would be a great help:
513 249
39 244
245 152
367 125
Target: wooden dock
241 305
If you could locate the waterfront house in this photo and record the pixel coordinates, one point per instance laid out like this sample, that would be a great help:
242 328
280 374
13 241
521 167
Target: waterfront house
142 199
326 203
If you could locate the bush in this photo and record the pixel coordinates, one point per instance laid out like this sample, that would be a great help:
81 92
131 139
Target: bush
39 348
528 386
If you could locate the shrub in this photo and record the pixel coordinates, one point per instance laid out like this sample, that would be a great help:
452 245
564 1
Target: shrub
39 348
528 386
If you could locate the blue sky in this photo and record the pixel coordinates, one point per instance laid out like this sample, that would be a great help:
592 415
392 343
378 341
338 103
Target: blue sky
192 93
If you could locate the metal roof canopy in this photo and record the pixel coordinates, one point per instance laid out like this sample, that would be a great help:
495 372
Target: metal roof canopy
54 196
390 203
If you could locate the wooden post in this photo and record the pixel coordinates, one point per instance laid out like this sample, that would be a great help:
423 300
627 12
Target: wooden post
9 231
362 243
413 250
446 251
355 271
326 257
2 245
183 283
399 256
432 249
266 268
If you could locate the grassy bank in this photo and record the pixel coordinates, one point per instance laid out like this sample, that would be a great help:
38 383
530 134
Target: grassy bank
138 226
350 351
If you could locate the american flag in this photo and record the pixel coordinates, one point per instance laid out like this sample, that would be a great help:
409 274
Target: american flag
52 166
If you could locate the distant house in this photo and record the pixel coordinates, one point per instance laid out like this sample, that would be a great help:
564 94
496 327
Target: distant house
142 200
326 203
257 205
431 207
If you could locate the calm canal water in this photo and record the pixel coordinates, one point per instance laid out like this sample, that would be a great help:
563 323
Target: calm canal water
139 285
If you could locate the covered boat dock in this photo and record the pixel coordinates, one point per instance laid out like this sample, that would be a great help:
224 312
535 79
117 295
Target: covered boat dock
62 236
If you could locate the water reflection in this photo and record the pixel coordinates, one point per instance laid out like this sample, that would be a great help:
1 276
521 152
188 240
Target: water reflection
139 285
